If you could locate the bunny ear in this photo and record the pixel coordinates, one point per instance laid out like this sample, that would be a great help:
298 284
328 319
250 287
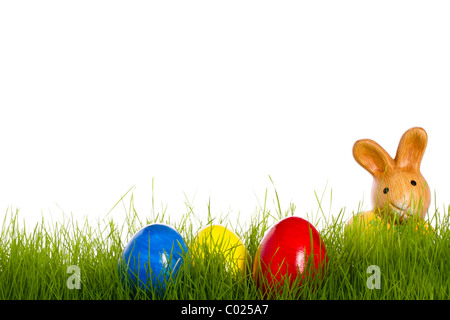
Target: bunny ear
411 148
372 157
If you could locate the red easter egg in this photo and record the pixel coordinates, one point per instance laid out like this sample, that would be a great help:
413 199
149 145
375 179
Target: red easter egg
291 248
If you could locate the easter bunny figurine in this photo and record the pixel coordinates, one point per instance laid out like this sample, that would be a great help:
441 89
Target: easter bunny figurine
399 190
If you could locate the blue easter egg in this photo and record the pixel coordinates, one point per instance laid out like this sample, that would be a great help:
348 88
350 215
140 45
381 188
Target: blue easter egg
152 257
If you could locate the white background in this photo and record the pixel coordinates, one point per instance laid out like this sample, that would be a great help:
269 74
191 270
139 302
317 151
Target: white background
209 98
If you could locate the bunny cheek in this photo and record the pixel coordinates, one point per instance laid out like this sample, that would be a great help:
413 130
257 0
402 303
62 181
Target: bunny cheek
421 198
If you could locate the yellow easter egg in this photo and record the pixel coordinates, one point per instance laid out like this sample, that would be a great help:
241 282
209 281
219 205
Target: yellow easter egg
217 239
368 221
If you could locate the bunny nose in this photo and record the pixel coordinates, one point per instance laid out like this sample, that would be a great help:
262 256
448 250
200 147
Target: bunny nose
401 205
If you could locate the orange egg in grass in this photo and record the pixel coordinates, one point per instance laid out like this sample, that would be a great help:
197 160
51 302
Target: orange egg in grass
216 239
422 225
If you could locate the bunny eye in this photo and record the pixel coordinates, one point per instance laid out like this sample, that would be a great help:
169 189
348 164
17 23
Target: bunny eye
413 182
385 190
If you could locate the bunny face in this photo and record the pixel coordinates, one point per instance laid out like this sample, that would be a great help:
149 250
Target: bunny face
401 194
399 190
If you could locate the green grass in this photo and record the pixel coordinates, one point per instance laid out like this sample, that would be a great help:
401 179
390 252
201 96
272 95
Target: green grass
34 262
